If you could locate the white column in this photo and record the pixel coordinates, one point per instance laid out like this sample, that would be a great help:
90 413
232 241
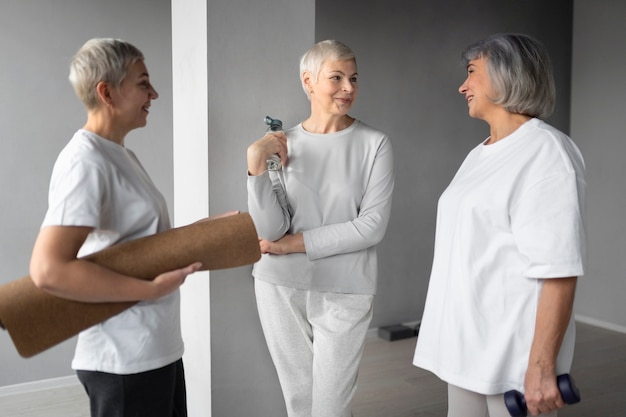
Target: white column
191 186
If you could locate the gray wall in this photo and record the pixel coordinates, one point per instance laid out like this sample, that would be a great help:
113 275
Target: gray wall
39 112
598 125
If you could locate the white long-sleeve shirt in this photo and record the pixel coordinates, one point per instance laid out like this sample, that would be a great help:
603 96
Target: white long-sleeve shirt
339 186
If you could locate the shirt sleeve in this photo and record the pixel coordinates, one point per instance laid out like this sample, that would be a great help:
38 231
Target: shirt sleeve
369 227
270 220
547 222
75 195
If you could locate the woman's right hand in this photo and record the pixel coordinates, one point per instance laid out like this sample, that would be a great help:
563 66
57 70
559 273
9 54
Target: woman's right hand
259 152
171 280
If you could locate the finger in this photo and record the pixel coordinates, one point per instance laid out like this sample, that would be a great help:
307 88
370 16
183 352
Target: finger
545 408
534 411
280 141
225 214
282 154
278 135
194 267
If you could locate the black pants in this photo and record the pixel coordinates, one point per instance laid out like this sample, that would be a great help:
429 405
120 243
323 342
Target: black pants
157 393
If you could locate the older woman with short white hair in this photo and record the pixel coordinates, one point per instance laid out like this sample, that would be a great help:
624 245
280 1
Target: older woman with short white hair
317 278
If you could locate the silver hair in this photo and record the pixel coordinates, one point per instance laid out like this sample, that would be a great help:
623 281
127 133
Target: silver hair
101 59
520 71
318 54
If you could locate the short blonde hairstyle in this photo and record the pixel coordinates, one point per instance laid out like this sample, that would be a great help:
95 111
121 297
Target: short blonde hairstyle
313 59
101 59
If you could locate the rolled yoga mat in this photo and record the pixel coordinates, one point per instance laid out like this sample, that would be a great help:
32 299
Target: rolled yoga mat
37 320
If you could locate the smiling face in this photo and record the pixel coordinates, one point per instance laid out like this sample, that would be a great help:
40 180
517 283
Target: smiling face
478 90
336 87
133 97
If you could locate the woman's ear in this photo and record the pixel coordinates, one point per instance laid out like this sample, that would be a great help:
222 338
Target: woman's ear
104 93
307 80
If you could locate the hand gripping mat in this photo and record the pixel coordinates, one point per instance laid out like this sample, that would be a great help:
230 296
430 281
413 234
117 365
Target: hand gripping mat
37 320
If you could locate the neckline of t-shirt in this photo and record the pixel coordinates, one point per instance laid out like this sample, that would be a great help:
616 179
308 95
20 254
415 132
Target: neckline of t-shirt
330 135
106 142
509 140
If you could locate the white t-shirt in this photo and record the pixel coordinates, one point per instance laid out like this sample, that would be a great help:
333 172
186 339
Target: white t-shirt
512 215
101 184
339 186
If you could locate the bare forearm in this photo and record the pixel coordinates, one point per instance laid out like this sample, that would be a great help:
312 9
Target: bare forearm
55 268
85 281
553 315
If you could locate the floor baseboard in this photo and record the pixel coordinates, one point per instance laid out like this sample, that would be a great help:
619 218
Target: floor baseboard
40 385
600 323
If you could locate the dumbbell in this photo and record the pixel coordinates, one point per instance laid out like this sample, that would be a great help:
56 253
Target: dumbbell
516 403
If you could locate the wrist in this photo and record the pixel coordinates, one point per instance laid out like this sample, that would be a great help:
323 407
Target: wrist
542 366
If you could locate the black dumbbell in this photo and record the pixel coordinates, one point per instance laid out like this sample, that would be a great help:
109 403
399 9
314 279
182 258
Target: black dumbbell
516 403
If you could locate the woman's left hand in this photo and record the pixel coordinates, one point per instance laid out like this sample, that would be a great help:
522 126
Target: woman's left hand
286 244
541 391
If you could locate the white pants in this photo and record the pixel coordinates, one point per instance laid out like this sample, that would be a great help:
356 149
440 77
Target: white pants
464 403
316 342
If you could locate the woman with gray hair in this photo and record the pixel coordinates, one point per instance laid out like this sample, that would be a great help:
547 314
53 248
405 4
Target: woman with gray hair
510 242
316 281
100 195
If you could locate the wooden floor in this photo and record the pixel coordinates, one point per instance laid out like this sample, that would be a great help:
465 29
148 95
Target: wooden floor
389 386
68 401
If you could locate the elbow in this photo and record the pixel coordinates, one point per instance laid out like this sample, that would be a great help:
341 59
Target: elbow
380 235
377 235
271 231
271 236
42 276
375 240
373 227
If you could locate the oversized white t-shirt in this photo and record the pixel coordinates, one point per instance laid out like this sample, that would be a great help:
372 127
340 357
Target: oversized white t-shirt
512 215
339 188
101 184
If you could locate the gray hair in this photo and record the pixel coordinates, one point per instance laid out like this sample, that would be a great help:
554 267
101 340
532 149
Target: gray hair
101 59
520 71
318 54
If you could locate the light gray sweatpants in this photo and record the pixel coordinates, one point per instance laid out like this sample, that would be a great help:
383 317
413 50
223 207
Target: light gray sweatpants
316 342
464 403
